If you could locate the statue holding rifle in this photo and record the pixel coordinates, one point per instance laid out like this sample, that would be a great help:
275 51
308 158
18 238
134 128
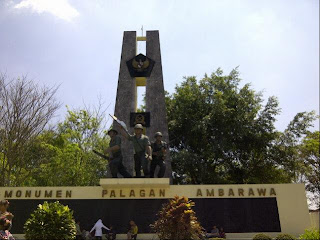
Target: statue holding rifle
142 150
141 145
114 155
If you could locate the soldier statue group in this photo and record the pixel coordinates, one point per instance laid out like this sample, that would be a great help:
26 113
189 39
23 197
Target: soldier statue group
144 153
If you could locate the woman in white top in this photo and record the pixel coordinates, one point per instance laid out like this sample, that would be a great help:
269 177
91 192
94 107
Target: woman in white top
98 227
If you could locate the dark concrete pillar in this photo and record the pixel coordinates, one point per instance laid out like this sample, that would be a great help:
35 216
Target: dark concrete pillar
155 98
126 95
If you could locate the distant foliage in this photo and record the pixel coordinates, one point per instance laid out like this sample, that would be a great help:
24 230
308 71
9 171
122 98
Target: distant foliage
261 236
285 236
177 220
50 221
310 234
309 159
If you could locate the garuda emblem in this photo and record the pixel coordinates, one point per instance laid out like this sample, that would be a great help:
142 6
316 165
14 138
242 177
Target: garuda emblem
140 66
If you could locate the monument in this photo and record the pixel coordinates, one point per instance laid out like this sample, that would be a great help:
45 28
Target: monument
242 209
137 70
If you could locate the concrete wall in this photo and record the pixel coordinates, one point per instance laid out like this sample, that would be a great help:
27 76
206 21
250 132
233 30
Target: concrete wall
314 218
291 199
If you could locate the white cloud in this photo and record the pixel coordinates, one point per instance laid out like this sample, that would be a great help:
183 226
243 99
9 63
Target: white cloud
59 8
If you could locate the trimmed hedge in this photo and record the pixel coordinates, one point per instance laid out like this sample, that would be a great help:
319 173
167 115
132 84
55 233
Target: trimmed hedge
285 236
261 236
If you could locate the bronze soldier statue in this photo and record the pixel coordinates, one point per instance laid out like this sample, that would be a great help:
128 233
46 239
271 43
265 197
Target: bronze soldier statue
142 149
159 151
114 150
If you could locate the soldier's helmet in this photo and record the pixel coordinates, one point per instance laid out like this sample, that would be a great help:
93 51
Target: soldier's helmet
138 126
113 130
157 134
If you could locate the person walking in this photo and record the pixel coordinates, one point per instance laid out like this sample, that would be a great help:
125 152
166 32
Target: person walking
98 229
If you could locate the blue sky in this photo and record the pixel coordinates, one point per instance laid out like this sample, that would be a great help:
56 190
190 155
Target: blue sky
77 44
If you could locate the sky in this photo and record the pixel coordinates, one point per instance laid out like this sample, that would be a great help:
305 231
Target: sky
76 44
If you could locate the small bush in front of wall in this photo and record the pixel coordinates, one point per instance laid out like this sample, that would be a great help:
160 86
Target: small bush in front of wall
261 236
178 221
285 236
310 234
50 221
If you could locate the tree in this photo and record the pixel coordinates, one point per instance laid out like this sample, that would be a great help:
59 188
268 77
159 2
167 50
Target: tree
50 221
223 133
310 159
142 107
296 150
25 110
66 151
310 154
177 220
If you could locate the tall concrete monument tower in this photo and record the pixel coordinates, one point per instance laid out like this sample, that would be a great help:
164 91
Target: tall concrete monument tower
141 71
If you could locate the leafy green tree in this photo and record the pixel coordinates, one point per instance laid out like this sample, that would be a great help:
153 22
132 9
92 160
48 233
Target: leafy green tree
50 221
287 146
308 159
142 107
221 132
311 158
66 152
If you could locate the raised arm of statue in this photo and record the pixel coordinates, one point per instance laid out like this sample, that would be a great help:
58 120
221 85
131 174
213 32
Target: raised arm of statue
124 133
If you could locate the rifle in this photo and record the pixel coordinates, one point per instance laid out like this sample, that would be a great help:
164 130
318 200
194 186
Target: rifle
101 155
121 123
124 127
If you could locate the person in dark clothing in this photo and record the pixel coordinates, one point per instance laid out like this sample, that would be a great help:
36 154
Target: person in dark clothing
112 234
222 234
214 233
78 231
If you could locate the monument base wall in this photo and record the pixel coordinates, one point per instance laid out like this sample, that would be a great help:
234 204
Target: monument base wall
242 210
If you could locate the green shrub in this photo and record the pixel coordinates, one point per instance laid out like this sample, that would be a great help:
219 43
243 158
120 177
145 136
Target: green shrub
285 236
261 236
310 234
50 221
